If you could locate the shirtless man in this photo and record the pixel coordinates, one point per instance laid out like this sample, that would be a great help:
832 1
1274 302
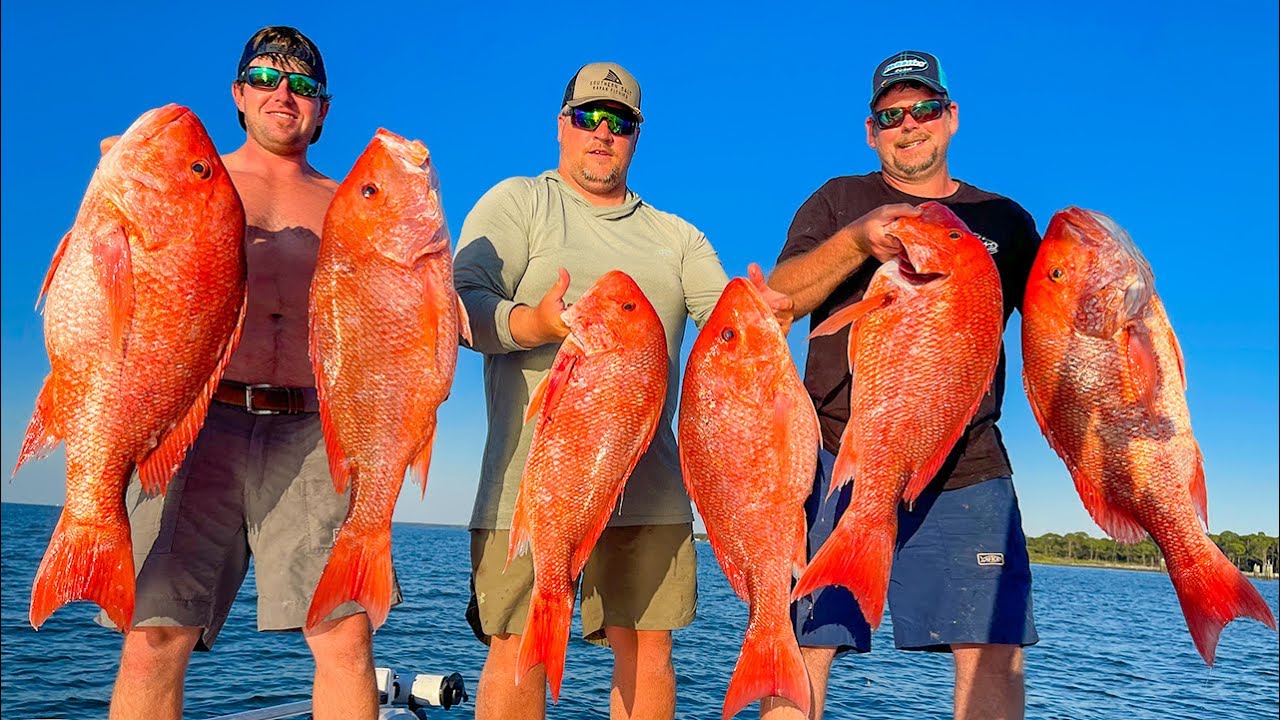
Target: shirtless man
256 481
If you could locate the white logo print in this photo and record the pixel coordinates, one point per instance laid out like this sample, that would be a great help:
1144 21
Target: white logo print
906 64
991 559
991 245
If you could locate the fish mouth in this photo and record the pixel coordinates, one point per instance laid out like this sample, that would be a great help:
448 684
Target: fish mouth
411 153
909 272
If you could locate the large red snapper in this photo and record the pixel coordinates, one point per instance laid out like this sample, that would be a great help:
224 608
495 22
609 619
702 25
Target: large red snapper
144 304
1107 383
748 446
922 351
384 330
597 410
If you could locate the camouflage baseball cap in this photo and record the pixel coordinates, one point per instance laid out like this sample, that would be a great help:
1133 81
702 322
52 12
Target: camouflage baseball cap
603 81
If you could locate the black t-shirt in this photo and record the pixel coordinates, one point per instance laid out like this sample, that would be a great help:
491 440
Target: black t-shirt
1009 233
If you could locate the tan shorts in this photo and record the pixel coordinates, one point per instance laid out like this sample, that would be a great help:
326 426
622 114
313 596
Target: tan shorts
250 484
643 577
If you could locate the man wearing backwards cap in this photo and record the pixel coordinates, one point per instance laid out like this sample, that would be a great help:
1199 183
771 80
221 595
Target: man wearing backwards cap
529 247
256 481
960 582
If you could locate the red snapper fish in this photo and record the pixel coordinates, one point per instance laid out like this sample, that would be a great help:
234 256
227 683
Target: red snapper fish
597 410
385 322
144 302
1107 384
748 446
922 351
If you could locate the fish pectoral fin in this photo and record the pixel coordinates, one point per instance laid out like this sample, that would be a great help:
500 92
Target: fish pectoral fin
547 393
851 314
53 268
1143 374
464 321
158 467
113 264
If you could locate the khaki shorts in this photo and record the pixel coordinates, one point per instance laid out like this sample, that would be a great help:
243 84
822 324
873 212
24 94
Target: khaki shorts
643 578
250 484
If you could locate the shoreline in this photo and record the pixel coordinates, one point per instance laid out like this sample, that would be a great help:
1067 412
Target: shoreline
1040 560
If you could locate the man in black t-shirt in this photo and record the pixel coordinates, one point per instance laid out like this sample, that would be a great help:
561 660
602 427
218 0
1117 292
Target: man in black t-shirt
961 581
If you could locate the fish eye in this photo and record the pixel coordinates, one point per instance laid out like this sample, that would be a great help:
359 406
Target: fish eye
1056 273
954 235
369 190
202 169
629 306
727 334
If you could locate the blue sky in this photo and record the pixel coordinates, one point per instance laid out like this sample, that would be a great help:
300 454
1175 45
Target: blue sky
1165 119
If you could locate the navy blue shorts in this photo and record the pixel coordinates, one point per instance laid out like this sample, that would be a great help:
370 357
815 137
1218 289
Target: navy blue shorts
960 572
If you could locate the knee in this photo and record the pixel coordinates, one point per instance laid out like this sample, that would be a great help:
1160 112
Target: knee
344 645
153 651
988 659
648 647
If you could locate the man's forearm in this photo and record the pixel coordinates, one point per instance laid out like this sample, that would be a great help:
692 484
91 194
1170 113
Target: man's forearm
810 278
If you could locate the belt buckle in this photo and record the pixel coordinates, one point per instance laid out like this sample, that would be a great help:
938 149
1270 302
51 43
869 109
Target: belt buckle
248 400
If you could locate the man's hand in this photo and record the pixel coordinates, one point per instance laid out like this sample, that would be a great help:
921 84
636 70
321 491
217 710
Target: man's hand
868 231
105 144
782 306
532 327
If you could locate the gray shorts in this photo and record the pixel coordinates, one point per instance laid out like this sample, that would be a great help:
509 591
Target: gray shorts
250 484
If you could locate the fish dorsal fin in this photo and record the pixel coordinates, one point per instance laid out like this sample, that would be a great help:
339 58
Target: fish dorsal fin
158 467
53 268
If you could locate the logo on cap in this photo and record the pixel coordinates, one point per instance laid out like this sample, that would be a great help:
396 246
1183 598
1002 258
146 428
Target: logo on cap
612 77
910 63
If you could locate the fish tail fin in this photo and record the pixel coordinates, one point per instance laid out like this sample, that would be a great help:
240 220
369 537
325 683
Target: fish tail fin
770 665
857 556
42 435
1213 596
359 569
546 637
86 562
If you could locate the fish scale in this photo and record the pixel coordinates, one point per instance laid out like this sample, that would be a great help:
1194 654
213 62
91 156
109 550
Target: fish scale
748 448
923 349
596 411
384 328
1107 384
145 301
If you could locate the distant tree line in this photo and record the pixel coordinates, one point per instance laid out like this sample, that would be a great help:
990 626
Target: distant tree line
1244 551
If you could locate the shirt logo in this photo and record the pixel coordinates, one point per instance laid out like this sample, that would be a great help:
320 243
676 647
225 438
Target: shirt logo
986 559
991 245
909 63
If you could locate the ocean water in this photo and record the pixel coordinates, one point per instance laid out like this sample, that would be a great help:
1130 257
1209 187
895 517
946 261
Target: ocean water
1113 647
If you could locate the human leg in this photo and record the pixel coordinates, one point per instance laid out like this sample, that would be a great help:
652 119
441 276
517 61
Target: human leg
293 514
153 668
496 613
989 682
344 682
191 555
638 586
962 583
644 678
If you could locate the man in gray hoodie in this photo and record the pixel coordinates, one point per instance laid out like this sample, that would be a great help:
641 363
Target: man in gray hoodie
530 246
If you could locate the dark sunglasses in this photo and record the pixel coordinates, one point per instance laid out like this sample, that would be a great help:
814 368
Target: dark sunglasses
590 119
923 112
268 78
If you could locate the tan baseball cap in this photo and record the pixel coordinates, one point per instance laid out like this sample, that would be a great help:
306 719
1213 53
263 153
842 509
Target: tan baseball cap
603 81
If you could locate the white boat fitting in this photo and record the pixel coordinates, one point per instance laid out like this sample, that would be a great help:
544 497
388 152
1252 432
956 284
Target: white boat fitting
401 698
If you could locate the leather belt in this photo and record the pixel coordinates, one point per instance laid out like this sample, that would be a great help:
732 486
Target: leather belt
264 399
